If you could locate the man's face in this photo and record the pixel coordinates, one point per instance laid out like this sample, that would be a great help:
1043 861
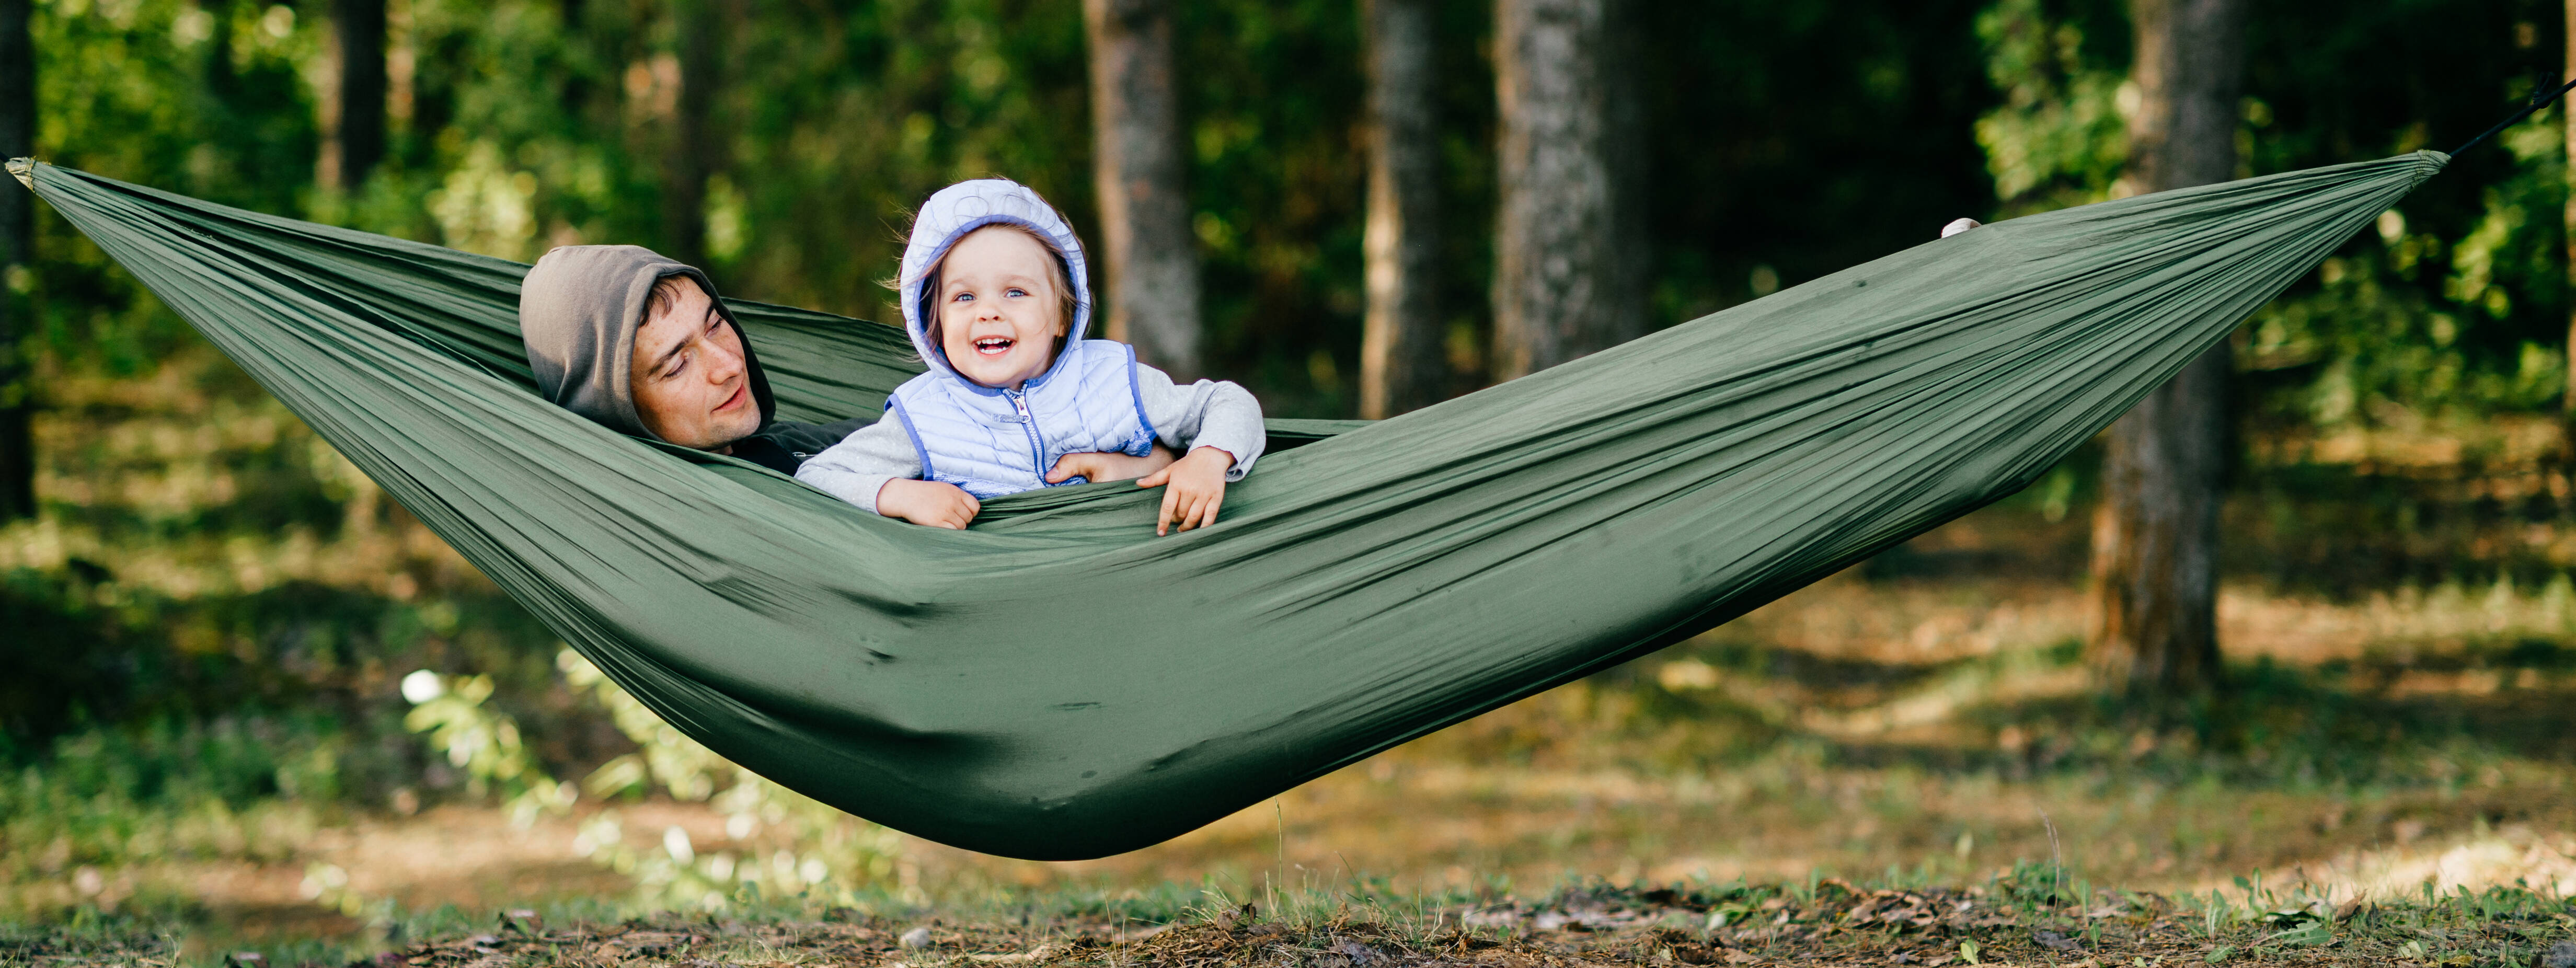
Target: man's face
688 378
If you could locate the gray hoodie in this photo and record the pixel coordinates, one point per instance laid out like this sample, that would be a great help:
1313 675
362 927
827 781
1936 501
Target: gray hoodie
578 313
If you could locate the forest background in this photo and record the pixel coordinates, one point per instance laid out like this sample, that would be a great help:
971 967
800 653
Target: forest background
216 631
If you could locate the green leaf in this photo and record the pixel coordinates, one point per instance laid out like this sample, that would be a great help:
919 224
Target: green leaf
2310 933
2219 954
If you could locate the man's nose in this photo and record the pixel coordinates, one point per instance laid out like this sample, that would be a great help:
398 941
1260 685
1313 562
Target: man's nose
723 363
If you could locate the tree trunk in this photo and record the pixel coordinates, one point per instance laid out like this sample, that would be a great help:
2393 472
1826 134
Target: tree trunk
220 76
1151 258
576 38
17 258
2155 537
1568 260
1402 365
2569 127
693 153
358 131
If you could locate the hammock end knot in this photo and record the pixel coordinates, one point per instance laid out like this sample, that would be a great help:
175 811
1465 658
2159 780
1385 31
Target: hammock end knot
25 170
2435 161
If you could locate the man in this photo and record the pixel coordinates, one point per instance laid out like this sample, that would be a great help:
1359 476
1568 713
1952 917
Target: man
641 344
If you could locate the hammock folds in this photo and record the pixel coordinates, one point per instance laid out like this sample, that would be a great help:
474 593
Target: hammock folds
1057 682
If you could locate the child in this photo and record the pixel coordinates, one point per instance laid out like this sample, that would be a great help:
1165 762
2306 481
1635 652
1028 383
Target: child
1016 399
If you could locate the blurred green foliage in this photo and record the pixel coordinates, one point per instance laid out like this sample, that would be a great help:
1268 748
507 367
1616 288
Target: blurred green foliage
514 130
2456 306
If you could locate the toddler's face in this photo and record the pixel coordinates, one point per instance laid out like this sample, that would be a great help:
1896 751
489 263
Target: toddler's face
999 312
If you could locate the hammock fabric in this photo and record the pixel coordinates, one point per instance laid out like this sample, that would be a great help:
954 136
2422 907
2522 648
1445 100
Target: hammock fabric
1058 682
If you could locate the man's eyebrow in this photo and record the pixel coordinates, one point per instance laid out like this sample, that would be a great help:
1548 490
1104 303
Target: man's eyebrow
665 358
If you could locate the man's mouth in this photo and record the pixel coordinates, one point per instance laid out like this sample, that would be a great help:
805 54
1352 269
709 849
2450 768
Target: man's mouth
994 345
740 394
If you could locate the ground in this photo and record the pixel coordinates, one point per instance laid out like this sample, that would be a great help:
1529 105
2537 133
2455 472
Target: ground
2023 920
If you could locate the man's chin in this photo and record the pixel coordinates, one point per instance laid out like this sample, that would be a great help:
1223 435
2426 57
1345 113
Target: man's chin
720 438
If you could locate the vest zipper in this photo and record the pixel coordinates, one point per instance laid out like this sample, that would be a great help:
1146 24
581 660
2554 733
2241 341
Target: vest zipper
1037 451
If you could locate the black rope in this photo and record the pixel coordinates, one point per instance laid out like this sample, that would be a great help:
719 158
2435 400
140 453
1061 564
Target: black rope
2538 101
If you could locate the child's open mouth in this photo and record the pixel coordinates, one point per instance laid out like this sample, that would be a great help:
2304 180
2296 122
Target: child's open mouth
994 345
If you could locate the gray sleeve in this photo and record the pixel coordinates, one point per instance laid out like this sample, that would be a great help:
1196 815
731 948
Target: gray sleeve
862 462
1208 413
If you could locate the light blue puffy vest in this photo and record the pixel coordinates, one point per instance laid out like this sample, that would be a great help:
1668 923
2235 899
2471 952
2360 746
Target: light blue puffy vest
994 442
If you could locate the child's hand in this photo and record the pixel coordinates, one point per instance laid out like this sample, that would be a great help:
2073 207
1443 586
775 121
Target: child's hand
1099 466
1197 486
929 503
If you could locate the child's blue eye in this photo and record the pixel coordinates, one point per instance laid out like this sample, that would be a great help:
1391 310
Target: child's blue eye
965 297
1019 292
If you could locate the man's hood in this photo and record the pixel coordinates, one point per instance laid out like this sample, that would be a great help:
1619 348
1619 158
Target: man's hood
965 207
578 312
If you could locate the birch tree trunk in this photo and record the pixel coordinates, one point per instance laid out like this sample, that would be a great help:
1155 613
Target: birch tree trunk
17 255
693 151
2155 536
1568 262
1152 261
358 126
1402 364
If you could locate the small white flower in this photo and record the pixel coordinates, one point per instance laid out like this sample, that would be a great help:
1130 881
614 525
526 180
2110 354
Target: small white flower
422 686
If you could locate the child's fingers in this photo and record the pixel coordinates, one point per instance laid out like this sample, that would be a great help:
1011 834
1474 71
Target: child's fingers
1201 512
959 509
1213 501
1163 521
1067 466
1157 478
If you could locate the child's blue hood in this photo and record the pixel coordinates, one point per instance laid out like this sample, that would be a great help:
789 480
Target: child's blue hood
965 207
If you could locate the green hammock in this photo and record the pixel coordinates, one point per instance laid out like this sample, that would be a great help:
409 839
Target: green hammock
1059 683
